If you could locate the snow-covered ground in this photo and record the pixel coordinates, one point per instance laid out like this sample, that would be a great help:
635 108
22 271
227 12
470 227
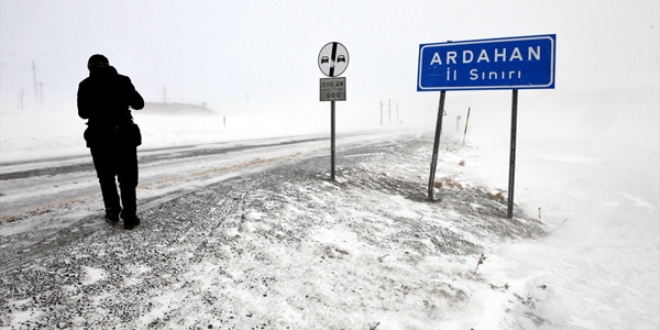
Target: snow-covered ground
281 247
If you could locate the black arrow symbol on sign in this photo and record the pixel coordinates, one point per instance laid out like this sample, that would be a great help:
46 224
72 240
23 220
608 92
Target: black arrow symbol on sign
333 59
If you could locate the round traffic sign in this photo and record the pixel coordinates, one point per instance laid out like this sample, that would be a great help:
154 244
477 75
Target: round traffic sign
333 59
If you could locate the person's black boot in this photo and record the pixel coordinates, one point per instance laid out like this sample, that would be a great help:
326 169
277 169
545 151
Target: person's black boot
112 215
130 221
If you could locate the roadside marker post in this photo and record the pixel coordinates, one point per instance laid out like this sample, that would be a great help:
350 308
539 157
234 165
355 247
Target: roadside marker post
467 120
526 62
333 60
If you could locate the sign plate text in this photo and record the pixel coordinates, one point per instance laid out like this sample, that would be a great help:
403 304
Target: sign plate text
526 62
333 89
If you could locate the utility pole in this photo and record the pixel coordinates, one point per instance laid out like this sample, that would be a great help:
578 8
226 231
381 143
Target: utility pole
381 112
21 97
389 111
34 80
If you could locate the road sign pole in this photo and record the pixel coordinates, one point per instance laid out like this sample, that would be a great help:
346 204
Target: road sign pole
332 141
333 60
512 152
436 144
527 62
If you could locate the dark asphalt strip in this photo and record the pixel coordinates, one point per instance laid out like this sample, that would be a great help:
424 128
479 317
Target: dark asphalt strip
146 159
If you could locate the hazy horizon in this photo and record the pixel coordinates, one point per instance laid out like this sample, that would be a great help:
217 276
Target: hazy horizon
258 59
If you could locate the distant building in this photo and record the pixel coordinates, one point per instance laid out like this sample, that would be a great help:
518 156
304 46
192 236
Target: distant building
183 109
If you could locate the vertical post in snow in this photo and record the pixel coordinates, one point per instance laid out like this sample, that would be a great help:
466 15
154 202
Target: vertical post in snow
21 97
34 80
512 152
466 125
381 112
332 143
41 93
436 144
389 112
333 56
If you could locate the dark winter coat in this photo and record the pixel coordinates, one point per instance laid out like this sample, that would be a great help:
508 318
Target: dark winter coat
104 99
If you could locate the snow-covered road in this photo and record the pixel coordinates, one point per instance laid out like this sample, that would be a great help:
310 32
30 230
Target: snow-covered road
44 196
254 236
55 183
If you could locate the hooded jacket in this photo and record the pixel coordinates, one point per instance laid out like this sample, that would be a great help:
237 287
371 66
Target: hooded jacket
104 99
105 96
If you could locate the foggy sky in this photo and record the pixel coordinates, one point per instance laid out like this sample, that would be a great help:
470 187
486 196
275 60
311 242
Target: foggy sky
261 56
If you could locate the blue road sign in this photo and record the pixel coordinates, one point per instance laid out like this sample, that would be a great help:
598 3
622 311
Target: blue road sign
526 62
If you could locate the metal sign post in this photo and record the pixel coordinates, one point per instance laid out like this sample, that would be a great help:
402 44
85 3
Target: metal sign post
512 152
332 141
333 61
526 62
436 144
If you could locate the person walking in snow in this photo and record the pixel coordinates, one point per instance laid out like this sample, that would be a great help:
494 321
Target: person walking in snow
105 99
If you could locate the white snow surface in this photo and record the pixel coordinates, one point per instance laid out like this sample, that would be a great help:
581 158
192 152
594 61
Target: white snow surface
353 254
